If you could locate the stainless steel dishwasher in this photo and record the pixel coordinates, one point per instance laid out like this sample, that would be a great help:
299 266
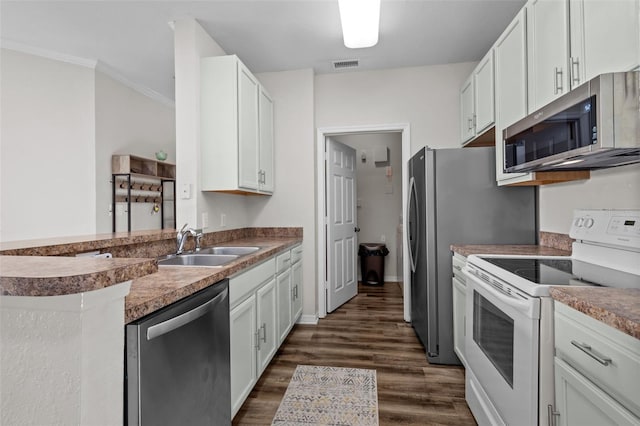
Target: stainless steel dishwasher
177 363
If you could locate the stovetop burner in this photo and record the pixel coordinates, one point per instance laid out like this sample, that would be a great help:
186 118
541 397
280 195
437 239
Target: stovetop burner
539 271
563 272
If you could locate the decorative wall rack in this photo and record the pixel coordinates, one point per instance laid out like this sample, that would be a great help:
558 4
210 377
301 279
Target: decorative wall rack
142 180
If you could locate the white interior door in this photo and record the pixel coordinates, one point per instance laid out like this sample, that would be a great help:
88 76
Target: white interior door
342 283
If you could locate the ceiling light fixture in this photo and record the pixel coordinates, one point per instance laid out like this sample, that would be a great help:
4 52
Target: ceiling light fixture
360 22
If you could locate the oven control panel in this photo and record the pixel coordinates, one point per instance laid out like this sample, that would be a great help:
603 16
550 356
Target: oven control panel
618 227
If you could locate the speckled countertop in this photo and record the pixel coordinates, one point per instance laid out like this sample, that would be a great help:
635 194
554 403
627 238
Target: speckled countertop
37 267
532 250
616 307
56 276
172 283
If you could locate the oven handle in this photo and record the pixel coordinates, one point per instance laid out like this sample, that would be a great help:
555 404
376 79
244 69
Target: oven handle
520 305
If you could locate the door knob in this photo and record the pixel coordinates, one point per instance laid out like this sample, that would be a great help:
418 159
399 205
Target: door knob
356 229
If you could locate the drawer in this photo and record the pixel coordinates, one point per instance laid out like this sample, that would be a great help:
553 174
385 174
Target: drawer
283 261
296 253
580 340
243 284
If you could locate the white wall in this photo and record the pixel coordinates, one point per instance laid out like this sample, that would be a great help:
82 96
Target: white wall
617 188
426 97
47 148
128 122
191 43
379 209
293 202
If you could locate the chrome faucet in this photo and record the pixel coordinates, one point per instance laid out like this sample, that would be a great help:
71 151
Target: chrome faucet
184 233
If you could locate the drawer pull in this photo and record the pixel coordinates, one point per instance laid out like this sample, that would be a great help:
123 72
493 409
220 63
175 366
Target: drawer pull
593 354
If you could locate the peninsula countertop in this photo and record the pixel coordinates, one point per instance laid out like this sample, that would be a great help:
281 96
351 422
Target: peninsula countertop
152 287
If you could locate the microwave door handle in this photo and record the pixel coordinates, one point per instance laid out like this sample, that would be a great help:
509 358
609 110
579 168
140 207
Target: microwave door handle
520 305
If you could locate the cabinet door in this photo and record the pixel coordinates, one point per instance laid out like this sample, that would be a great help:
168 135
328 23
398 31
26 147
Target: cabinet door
579 402
283 283
484 94
296 289
459 318
511 87
267 177
247 129
467 131
267 324
547 50
604 37
242 323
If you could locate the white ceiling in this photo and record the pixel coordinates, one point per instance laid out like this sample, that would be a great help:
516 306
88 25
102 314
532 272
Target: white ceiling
134 38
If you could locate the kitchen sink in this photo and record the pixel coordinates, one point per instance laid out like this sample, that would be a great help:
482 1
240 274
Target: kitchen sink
237 251
211 260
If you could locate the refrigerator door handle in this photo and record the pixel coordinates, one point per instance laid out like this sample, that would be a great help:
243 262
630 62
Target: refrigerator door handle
412 195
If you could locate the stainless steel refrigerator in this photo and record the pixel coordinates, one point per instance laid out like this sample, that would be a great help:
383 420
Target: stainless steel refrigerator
454 199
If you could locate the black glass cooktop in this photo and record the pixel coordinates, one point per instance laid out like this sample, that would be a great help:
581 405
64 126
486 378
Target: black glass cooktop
565 272
539 271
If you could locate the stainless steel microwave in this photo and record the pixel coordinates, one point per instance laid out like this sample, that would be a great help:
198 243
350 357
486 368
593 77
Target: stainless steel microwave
595 125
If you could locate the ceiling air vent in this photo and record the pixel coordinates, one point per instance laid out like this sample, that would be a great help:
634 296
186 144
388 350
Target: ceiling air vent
345 64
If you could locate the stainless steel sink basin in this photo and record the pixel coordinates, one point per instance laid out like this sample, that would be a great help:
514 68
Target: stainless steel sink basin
211 260
237 251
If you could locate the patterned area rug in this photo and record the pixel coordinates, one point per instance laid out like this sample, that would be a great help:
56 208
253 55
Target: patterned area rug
329 396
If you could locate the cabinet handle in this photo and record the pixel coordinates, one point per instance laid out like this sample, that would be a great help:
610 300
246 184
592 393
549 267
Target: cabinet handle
296 291
551 415
475 124
593 354
575 71
257 336
470 123
264 332
558 86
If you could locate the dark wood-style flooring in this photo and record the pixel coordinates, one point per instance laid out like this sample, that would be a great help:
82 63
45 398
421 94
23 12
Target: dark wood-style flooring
367 332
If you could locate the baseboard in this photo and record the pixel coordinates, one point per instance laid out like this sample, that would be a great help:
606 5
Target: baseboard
308 319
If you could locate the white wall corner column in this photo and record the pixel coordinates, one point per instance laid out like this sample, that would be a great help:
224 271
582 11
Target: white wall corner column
62 358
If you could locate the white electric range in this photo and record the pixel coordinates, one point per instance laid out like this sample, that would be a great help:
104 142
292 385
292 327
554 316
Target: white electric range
509 330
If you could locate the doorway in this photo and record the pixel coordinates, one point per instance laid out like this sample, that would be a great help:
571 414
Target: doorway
353 136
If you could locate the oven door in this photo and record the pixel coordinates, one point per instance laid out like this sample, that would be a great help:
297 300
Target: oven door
502 342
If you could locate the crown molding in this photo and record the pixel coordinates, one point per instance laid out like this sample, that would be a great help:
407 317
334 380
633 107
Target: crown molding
48 54
94 64
150 93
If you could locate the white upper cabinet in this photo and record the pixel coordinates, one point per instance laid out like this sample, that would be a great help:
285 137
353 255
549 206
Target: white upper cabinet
236 150
467 132
477 102
571 41
266 164
605 37
484 93
547 50
511 86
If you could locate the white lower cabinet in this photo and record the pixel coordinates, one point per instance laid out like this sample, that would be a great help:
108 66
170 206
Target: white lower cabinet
283 282
581 403
459 306
243 356
264 304
597 372
289 284
296 286
253 328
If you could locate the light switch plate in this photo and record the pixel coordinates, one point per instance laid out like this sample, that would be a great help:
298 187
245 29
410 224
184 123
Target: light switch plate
185 191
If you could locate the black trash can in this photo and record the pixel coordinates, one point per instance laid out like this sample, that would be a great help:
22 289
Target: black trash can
372 262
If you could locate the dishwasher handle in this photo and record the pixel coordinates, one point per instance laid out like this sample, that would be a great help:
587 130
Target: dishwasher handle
183 319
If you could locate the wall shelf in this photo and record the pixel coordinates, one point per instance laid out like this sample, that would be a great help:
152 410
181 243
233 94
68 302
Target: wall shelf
142 180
